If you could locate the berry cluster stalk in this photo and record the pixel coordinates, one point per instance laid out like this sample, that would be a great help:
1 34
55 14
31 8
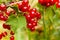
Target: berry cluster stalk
45 33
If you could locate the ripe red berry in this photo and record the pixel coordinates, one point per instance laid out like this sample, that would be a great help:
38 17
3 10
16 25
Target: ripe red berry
58 5
25 2
32 13
47 1
7 12
28 17
12 33
41 1
20 5
38 15
2 7
32 29
25 8
29 25
3 18
34 9
6 26
48 4
34 23
0 36
32 20
52 2
4 34
1 13
12 38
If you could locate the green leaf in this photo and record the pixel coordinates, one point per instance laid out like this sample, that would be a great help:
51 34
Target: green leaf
18 23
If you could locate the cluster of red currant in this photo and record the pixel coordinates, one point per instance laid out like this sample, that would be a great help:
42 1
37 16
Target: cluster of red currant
12 37
32 18
32 15
3 35
23 6
8 27
4 13
47 3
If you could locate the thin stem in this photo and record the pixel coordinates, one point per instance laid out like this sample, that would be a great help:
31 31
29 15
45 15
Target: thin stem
29 35
45 36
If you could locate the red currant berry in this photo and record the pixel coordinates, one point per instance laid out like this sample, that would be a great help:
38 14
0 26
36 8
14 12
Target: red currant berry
58 5
34 9
52 2
12 33
47 1
1 13
28 17
0 36
48 4
32 29
7 13
38 15
32 20
29 25
12 38
25 8
6 26
2 7
5 18
41 1
4 34
20 5
25 2
34 23
32 13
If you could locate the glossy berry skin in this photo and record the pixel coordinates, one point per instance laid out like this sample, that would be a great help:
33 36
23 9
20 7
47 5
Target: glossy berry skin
0 36
5 26
41 1
47 1
32 13
38 15
58 5
12 33
4 34
34 23
32 29
34 9
32 20
3 7
25 8
7 13
20 5
12 38
3 18
28 17
25 2
48 4
52 2
29 25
